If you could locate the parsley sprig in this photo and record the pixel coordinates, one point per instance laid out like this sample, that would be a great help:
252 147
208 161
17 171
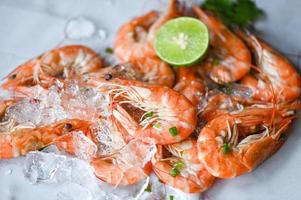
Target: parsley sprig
234 12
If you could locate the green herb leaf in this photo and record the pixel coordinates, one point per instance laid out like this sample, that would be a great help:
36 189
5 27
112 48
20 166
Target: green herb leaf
234 12
109 50
226 148
171 197
148 188
149 114
174 172
179 165
173 131
157 125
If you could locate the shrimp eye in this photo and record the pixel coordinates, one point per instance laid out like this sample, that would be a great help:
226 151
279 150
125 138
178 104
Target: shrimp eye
108 77
68 126
14 76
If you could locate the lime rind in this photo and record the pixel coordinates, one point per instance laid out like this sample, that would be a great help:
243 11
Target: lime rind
182 41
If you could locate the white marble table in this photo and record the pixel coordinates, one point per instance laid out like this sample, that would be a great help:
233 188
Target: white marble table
29 27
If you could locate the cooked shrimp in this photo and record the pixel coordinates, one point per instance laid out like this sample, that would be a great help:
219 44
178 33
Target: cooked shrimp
189 84
219 104
182 168
21 141
134 39
149 69
127 166
151 113
233 144
283 82
64 62
229 59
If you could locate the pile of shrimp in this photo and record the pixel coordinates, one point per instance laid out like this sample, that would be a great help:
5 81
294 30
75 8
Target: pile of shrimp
220 118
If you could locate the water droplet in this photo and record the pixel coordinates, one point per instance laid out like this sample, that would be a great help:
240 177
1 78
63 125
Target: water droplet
79 28
8 172
102 34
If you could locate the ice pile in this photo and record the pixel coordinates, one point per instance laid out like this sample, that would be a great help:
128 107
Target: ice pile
84 102
44 109
75 175
57 103
76 178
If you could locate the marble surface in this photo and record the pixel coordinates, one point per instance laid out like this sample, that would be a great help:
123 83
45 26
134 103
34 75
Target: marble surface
29 27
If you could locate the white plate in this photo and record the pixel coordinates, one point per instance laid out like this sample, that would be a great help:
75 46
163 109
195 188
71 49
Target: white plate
29 27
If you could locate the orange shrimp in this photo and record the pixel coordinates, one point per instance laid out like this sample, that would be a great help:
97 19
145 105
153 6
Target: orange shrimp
126 166
220 104
134 39
149 70
233 144
64 62
283 77
230 59
21 141
189 84
182 169
149 112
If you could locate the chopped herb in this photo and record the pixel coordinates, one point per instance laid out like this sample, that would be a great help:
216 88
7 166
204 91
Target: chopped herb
226 148
216 62
173 131
157 125
177 168
179 165
174 172
109 50
148 188
171 197
149 114
235 12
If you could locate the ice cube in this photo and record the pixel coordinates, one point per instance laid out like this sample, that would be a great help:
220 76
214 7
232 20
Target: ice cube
75 176
108 139
79 28
24 112
84 147
137 153
39 166
84 102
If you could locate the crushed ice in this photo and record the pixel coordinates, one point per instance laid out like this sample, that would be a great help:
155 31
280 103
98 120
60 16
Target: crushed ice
46 107
84 148
108 140
76 176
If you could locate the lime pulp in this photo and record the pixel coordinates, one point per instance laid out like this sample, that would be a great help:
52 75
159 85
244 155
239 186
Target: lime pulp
182 41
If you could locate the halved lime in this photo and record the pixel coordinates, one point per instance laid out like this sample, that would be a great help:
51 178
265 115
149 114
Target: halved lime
182 41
